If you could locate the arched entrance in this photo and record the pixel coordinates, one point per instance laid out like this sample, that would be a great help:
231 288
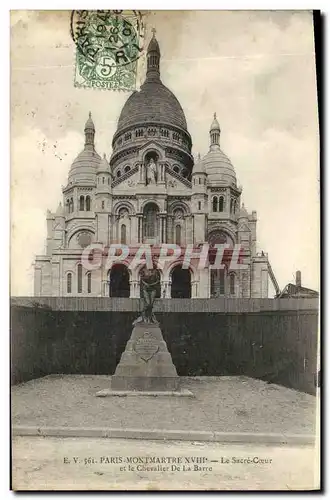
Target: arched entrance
119 281
181 283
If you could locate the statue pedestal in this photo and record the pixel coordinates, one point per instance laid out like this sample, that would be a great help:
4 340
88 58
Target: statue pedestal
146 364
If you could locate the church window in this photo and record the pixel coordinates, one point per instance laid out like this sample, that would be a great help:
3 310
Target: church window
68 205
102 205
199 180
176 169
71 203
178 234
79 278
150 215
199 205
127 169
235 207
88 203
217 282
89 282
232 283
81 203
222 281
69 283
215 204
123 234
103 180
231 205
221 204
108 180
118 173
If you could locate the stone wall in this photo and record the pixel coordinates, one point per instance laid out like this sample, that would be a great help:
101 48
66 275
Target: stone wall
279 346
221 304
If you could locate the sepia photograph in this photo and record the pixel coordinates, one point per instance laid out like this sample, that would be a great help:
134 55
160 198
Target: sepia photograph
165 250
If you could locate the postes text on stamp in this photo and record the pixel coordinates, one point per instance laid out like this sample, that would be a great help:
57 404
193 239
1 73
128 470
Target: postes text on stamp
108 46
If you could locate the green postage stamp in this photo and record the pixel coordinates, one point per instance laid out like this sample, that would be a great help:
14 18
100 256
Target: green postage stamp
108 46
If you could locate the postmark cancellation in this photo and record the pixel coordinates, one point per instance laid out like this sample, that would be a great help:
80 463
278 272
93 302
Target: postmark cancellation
109 44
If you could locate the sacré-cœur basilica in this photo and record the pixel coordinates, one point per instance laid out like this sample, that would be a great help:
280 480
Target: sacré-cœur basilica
152 191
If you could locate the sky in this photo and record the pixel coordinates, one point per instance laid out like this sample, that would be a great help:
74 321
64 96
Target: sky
255 69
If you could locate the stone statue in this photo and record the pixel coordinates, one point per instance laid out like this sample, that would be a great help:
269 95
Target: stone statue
149 282
151 172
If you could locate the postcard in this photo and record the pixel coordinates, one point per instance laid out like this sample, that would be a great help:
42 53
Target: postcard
165 250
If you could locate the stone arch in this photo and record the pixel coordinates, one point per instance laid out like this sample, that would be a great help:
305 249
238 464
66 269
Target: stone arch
119 278
123 204
68 283
81 203
179 262
89 280
74 232
146 202
228 236
181 281
179 204
151 148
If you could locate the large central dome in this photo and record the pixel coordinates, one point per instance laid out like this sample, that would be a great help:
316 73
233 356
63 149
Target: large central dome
154 103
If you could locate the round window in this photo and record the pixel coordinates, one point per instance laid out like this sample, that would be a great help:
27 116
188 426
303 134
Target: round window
84 239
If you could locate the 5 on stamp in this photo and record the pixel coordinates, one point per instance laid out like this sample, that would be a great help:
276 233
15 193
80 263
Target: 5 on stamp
108 46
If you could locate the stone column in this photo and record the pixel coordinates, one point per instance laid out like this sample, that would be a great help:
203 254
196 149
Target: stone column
170 229
162 235
169 288
160 228
142 179
161 173
134 289
165 229
140 227
165 290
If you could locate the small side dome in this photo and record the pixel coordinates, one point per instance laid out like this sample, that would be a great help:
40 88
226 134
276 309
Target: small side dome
85 166
198 167
243 213
60 211
219 168
104 166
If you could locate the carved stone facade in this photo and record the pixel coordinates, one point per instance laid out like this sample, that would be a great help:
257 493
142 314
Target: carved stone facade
151 191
